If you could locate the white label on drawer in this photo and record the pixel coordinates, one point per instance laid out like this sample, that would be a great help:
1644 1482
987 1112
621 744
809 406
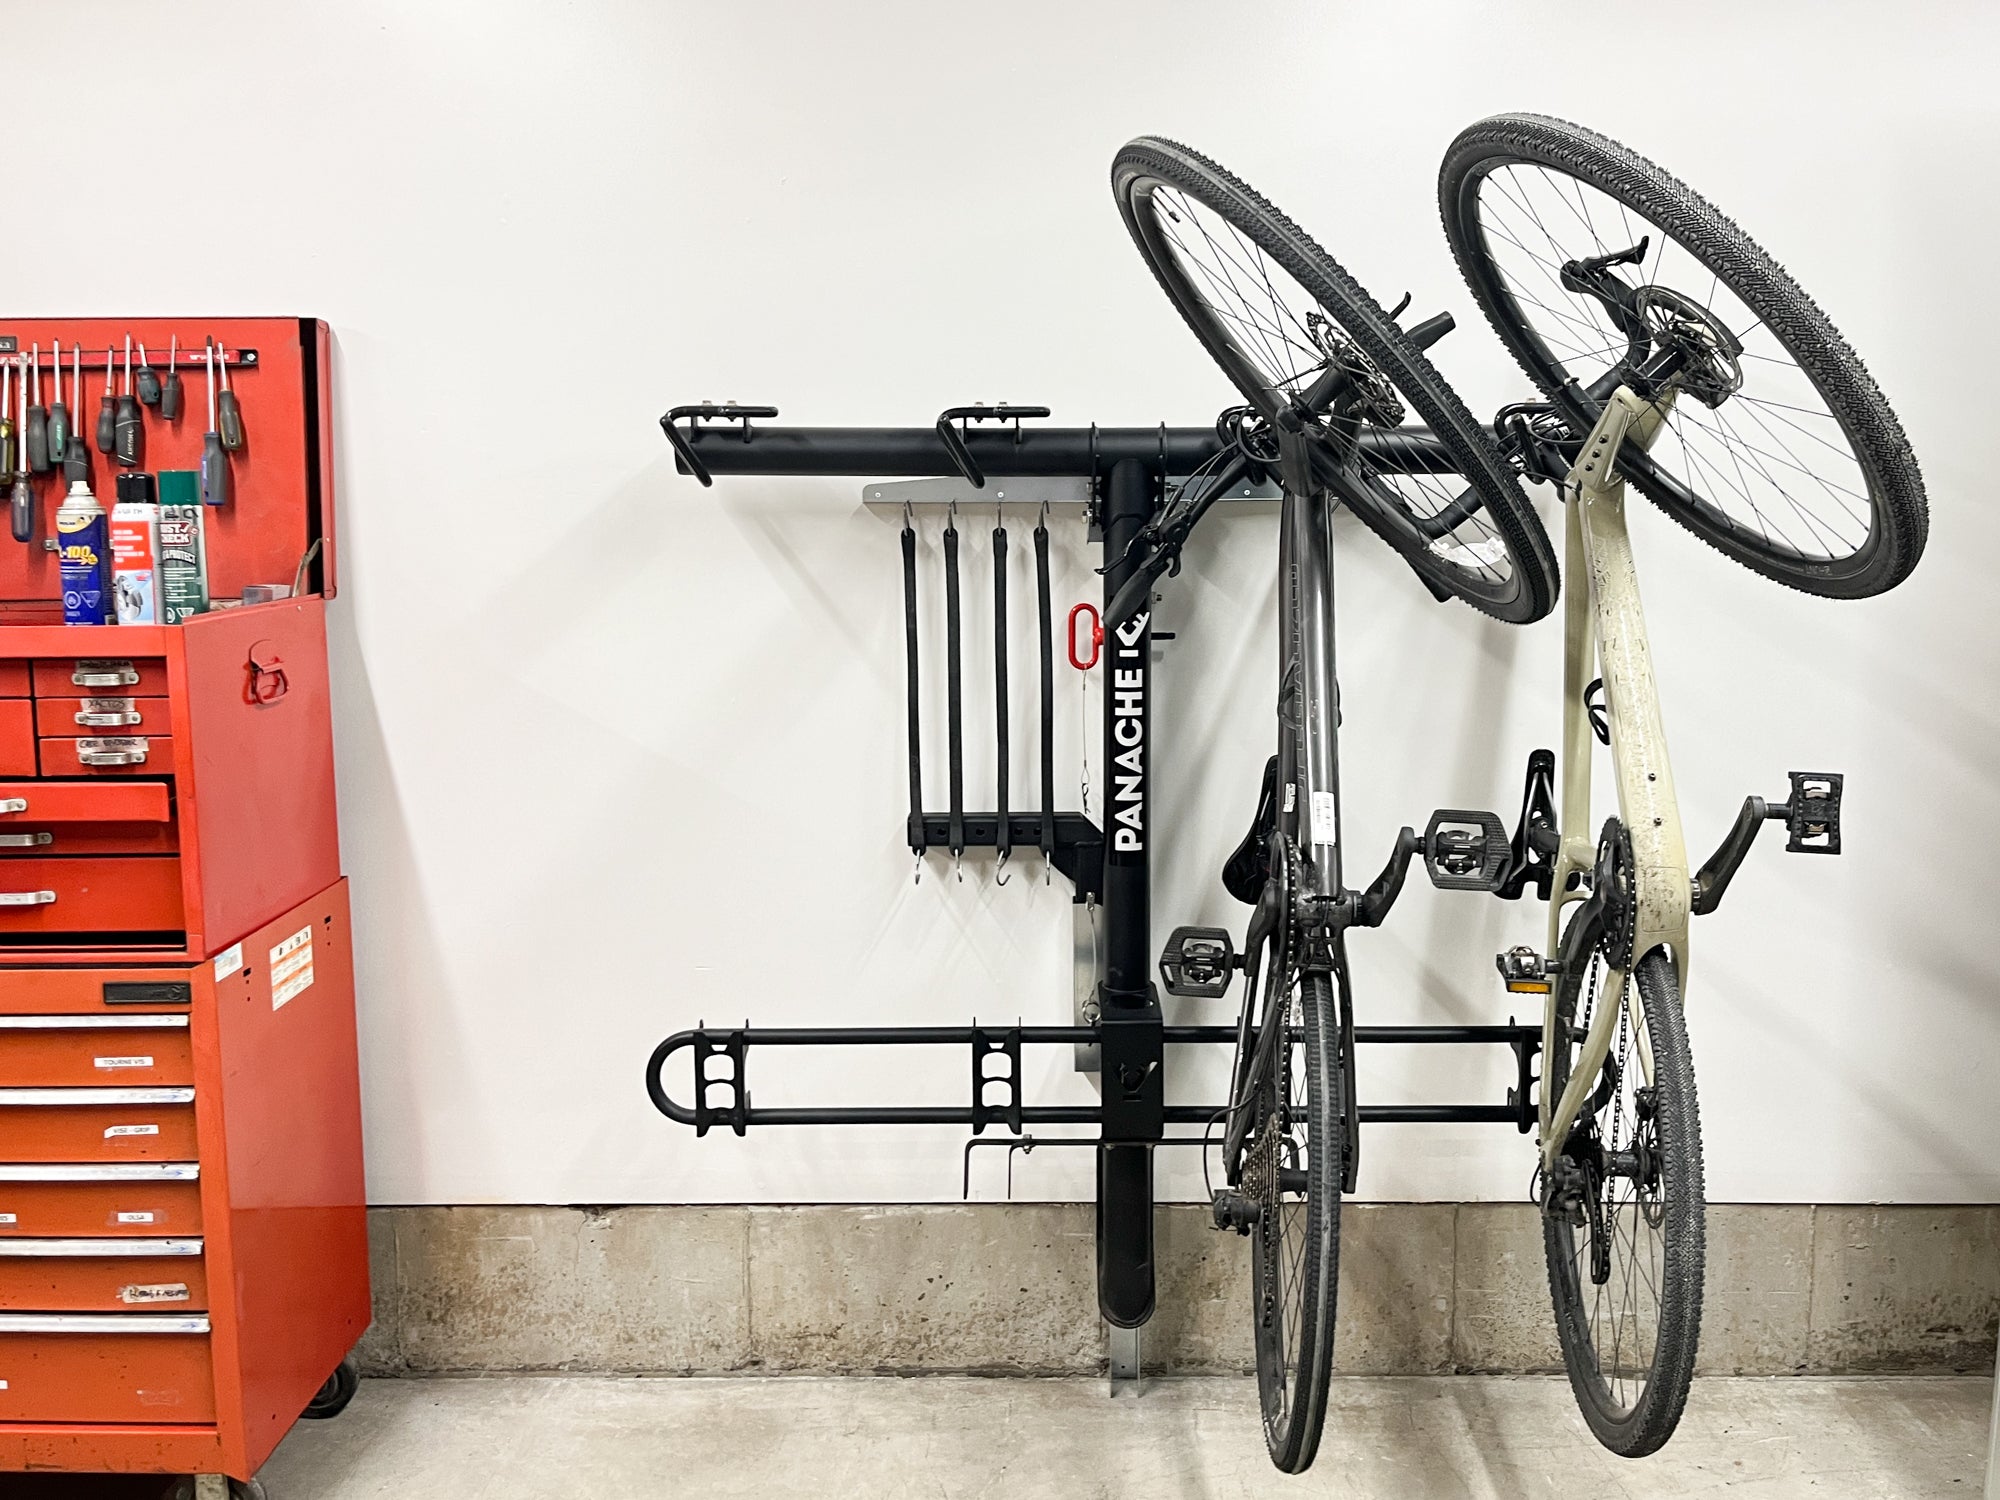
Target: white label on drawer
291 968
117 1130
124 1062
135 1218
108 706
3 1385
9 1219
228 961
163 1291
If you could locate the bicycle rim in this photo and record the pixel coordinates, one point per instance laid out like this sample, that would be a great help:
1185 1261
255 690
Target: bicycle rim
1800 470
1275 311
1293 1171
1625 1245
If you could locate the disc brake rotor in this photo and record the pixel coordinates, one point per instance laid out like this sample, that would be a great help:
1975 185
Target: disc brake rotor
1369 394
1710 366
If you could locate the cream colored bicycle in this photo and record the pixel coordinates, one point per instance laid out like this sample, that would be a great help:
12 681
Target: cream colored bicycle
1703 377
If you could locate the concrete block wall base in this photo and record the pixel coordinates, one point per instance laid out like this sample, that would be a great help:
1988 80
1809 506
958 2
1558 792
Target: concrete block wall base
1426 1289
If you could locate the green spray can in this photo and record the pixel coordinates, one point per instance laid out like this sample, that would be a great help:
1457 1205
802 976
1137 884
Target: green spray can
183 547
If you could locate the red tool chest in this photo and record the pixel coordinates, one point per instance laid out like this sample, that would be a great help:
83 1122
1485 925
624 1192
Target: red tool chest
183 1243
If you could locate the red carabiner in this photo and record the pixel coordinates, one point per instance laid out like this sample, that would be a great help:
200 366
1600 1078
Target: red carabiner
1096 636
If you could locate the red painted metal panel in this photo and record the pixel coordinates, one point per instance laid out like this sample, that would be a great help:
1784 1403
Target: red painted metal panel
17 737
139 894
68 757
117 671
122 1056
73 802
67 1377
102 1283
55 1209
104 713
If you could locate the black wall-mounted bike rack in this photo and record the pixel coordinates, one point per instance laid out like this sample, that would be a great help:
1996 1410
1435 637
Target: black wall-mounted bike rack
1127 469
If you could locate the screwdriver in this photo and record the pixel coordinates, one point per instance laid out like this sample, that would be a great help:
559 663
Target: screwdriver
230 414
59 433
21 499
214 462
107 414
76 457
7 421
129 429
170 388
35 423
149 383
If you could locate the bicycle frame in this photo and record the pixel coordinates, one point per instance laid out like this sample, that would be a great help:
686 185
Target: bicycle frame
1604 622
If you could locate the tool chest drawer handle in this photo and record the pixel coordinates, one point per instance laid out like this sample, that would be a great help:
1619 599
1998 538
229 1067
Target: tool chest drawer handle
127 757
107 720
25 840
93 1023
27 898
24 1098
13 804
28 1249
104 674
99 1323
123 1171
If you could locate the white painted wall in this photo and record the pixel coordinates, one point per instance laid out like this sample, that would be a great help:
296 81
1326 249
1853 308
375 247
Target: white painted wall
618 753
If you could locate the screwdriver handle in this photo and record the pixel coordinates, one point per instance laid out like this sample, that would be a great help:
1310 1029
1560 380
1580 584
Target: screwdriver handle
21 508
148 380
76 460
171 396
128 433
214 470
107 424
229 420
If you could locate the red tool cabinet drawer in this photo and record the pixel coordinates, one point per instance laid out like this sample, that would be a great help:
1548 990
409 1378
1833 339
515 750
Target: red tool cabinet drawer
94 1051
17 727
110 714
24 802
56 1200
90 895
88 838
13 679
104 1124
92 677
105 1367
102 1275
109 755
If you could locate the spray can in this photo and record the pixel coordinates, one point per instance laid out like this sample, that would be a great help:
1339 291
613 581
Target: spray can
82 533
135 551
183 547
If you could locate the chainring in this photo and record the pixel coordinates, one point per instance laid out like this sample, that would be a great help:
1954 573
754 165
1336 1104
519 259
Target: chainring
1616 887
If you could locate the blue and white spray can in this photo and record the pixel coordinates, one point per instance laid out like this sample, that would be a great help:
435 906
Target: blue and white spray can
82 534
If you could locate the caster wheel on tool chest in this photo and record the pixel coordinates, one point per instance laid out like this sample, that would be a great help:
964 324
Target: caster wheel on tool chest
239 1489
337 1392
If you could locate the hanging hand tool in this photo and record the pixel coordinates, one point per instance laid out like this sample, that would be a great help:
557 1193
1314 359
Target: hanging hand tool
170 388
229 414
128 430
35 422
149 380
76 457
59 433
214 462
21 499
7 421
107 412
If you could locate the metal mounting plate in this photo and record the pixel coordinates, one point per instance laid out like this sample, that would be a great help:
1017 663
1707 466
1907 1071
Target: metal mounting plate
1022 489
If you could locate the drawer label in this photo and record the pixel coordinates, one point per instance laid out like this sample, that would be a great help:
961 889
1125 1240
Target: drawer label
291 968
124 1062
117 1130
162 1291
136 1218
9 1219
228 961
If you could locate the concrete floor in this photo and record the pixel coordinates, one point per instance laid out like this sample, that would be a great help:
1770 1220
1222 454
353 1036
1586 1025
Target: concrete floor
1186 1439
1461 1437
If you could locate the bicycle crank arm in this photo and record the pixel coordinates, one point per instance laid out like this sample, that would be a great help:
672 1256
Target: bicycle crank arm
1812 814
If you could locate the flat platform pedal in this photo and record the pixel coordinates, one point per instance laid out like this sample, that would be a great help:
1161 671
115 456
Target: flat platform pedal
1466 851
1198 963
1812 817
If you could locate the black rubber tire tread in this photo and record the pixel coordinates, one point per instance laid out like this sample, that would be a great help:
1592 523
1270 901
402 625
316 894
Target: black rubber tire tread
1658 1412
335 1394
1479 460
1895 484
1293 1447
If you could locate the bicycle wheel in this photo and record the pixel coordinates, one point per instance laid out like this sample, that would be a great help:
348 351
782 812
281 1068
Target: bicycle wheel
1623 1217
1276 312
1292 1171
1781 452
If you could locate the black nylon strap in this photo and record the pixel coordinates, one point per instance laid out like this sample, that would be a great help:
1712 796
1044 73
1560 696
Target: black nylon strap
1048 840
916 827
1004 837
955 840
